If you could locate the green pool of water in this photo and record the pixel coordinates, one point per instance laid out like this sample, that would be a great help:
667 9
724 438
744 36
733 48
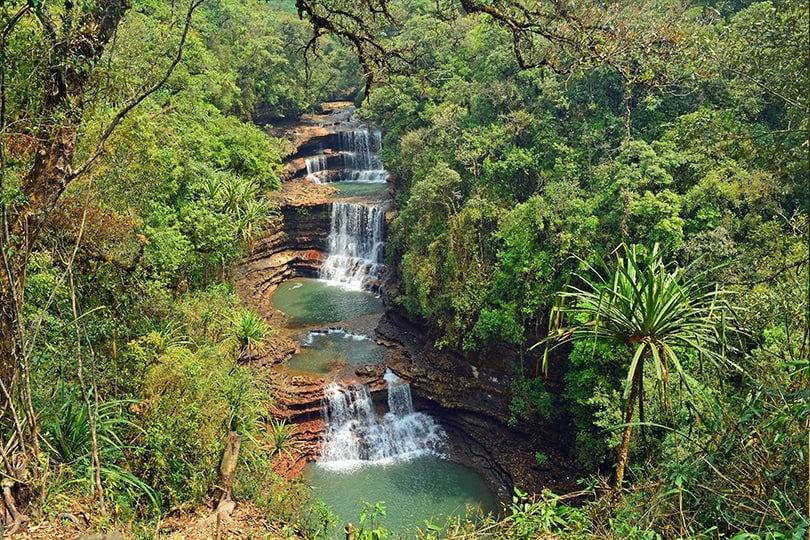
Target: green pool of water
308 301
322 349
414 492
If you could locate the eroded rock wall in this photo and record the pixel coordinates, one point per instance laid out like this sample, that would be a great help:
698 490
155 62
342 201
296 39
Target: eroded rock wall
293 246
470 395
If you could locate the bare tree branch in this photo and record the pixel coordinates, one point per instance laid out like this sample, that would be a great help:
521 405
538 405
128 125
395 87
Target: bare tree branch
136 100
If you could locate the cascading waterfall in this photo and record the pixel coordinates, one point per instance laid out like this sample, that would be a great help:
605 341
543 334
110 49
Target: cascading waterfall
357 435
317 168
361 161
368 451
356 243
400 402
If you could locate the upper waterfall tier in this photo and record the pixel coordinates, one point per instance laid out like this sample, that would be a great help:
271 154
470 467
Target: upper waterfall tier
361 159
348 153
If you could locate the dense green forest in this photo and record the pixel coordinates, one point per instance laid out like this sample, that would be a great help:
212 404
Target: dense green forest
614 194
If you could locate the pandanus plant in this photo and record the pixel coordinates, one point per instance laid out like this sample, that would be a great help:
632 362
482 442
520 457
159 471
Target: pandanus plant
657 311
249 332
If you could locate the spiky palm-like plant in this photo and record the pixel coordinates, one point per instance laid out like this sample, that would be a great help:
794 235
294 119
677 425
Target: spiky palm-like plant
656 310
249 331
282 437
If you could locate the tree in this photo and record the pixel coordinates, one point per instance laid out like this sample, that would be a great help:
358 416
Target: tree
659 313
50 56
645 43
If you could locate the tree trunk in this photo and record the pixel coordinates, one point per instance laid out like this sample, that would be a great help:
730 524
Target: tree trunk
624 447
227 467
15 373
628 110
8 343
19 520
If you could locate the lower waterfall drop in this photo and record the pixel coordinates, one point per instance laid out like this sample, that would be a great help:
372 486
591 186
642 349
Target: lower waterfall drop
356 435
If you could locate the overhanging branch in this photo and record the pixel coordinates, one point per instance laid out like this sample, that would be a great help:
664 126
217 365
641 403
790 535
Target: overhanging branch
136 100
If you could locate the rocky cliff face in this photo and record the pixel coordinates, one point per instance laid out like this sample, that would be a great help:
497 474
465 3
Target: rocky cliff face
293 246
470 395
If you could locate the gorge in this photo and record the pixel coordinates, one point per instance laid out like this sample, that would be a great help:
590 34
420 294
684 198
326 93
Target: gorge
202 246
468 396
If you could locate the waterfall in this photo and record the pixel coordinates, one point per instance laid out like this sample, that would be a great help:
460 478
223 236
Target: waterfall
356 434
361 162
356 239
356 243
317 168
400 402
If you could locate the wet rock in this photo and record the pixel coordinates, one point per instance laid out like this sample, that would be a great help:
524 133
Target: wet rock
369 371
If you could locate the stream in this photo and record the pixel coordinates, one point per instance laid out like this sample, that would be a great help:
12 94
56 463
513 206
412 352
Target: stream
376 447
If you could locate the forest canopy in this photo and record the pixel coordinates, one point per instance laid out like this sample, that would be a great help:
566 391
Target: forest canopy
540 153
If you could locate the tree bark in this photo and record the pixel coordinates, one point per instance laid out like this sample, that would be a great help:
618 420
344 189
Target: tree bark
624 447
20 521
628 111
227 467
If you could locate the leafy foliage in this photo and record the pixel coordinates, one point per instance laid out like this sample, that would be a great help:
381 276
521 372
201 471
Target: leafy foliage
657 313
530 399
128 273
249 331
641 123
68 436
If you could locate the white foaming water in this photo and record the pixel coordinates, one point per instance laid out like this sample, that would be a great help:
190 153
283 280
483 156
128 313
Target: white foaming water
356 244
361 160
356 435
400 402
317 169
334 331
